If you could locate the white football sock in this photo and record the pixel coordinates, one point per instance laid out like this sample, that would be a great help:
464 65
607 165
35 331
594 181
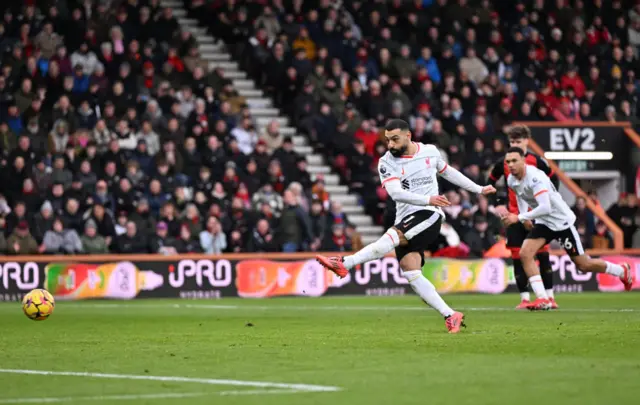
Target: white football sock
550 293
427 292
376 250
525 296
614 269
538 287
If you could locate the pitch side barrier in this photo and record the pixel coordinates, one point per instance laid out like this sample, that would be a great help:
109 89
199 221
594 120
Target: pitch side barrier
270 275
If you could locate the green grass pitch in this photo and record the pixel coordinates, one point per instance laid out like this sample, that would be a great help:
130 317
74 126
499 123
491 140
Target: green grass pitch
358 350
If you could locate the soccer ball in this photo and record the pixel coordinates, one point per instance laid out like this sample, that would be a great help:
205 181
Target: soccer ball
38 304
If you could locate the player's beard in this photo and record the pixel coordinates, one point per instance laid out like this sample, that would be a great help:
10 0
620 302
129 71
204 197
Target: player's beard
397 152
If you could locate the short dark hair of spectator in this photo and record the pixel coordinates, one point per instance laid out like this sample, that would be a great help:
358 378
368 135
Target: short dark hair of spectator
516 150
394 124
519 132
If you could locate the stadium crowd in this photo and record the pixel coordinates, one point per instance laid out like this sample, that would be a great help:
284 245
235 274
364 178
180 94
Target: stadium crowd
459 71
116 137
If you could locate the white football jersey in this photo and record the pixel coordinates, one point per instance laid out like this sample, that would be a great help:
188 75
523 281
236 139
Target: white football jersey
417 173
534 183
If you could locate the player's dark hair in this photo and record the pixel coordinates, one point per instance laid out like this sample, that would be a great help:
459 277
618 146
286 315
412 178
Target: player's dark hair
395 123
519 132
516 150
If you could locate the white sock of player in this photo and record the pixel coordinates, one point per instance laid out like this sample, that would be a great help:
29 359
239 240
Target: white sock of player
376 250
538 287
550 294
525 296
614 269
427 292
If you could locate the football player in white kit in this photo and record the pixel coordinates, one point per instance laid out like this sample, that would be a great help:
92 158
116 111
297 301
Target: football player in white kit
554 220
409 173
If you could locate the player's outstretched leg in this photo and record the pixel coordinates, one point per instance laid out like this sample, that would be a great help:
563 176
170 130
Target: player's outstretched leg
427 292
389 241
527 255
546 272
623 271
522 282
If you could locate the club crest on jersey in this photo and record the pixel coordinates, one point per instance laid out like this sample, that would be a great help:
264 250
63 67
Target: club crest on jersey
428 161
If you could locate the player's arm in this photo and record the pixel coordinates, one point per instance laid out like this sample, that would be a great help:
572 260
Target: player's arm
460 180
541 194
496 172
543 165
524 207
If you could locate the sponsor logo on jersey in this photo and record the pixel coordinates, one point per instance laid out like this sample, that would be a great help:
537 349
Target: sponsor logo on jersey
408 184
421 181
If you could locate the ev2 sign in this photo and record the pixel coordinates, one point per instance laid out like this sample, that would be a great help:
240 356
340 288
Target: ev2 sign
572 139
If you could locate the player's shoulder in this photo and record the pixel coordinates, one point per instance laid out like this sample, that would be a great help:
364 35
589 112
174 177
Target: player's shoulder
510 179
387 159
535 175
428 149
387 165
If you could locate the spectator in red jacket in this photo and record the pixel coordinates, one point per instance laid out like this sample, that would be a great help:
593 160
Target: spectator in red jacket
368 135
572 80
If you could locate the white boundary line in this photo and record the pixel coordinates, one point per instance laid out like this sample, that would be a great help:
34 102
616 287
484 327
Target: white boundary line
85 304
256 392
131 397
207 381
103 398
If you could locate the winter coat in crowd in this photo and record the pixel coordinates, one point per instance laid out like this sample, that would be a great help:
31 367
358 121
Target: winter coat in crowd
128 245
95 244
26 244
43 221
295 227
213 244
88 61
58 139
47 43
65 242
259 243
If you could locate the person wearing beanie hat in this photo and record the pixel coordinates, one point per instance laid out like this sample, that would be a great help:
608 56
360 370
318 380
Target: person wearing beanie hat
92 242
43 221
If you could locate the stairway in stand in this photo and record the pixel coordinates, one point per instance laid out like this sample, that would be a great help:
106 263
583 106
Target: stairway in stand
262 109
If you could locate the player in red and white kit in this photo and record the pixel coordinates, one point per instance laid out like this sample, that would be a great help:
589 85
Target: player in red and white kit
519 136
409 171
